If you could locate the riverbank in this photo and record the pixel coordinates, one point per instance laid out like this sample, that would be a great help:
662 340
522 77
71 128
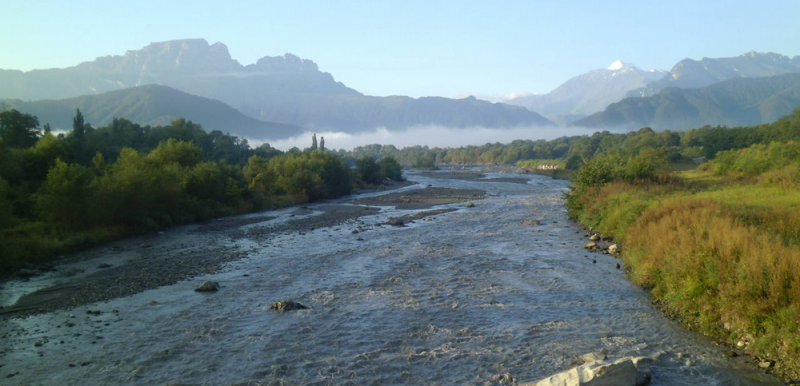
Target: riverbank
720 254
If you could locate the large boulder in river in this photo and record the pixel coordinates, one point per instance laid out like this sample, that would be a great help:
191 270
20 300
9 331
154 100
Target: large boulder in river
619 372
288 306
208 286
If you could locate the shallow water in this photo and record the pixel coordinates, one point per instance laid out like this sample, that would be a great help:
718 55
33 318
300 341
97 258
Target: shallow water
451 300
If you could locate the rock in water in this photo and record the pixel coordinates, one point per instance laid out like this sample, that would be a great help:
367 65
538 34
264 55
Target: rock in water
470 205
395 222
595 237
590 245
104 266
613 249
288 306
208 286
25 273
621 372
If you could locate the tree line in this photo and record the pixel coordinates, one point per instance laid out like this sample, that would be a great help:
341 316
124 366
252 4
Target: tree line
64 192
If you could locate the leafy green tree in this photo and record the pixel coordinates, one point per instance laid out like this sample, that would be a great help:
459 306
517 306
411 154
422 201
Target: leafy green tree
368 170
42 156
390 168
65 195
18 130
174 151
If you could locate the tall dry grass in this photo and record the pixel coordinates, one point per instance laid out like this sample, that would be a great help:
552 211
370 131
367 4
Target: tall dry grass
721 275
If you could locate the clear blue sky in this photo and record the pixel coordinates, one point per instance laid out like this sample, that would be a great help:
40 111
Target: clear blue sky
410 47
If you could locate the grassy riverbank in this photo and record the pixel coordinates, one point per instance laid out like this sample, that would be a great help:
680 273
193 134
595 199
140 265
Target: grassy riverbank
718 247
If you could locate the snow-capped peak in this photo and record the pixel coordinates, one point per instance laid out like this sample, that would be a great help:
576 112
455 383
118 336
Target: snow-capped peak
616 65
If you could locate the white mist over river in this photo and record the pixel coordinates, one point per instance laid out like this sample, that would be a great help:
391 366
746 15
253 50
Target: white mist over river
453 299
432 136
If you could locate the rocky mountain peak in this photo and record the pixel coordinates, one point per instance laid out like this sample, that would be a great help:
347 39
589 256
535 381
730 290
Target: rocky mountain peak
287 63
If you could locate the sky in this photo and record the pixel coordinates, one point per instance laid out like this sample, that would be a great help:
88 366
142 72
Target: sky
410 47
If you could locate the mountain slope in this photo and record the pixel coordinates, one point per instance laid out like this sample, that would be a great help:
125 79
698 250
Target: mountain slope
279 89
734 102
588 93
689 73
153 105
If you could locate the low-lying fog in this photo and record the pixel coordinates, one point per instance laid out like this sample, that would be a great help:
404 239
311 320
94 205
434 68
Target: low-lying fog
432 136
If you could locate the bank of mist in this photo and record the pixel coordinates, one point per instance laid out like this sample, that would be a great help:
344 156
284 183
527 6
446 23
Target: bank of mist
431 136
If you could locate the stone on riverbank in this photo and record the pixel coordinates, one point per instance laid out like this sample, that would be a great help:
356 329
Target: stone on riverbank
208 286
590 245
613 249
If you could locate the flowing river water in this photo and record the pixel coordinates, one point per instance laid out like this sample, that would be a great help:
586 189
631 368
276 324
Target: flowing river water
459 298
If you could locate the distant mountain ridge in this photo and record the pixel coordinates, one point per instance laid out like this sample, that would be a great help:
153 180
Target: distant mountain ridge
734 102
152 105
277 89
588 93
689 73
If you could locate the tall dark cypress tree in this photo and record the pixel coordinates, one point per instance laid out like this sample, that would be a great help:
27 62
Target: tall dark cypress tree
322 143
77 125
314 142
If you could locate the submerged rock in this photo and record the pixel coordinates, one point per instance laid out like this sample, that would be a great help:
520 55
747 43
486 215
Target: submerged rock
104 266
288 306
208 286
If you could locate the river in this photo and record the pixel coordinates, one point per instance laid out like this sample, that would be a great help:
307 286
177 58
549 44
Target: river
453 299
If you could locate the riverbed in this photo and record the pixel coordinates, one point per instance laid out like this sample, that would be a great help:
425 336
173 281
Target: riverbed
462 296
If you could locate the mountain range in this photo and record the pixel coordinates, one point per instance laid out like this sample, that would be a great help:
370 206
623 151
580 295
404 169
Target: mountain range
152 105
734 102
588 93
202 82
689 73
283 89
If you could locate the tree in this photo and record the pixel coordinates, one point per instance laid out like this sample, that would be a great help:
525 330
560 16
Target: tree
78 127
47 128
65 194
322 143
390 168
18 130
369 171
314 142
